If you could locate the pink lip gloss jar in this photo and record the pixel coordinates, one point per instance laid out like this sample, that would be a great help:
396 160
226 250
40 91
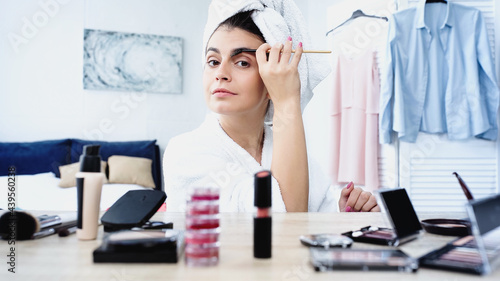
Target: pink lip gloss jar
202 222
202 227
204 207
202 254
203 193
204 236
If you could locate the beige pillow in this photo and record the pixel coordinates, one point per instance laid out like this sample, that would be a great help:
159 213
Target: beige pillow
69 171
130 170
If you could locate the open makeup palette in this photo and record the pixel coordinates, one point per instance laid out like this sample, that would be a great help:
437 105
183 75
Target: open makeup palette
478 253
402 216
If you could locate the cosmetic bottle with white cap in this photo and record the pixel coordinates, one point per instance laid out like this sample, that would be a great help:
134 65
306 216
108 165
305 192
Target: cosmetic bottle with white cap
262 222
89 183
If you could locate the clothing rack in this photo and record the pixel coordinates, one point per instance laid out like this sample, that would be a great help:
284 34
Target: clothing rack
356 14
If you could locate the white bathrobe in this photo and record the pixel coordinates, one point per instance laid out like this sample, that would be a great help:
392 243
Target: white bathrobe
207 156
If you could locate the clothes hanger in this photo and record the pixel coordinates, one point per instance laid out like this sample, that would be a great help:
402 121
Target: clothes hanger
356 14
436 1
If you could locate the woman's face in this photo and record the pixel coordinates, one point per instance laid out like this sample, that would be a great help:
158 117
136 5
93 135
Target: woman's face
231 82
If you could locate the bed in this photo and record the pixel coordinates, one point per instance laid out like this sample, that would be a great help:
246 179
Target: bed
44 172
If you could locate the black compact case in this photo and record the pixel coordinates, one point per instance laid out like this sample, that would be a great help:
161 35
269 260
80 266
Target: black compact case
140 246
133 209
402 216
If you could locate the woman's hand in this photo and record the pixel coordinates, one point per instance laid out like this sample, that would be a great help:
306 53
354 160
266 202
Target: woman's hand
279 72
355 199
280 75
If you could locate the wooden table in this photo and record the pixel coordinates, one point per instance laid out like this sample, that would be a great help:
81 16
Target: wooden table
67 258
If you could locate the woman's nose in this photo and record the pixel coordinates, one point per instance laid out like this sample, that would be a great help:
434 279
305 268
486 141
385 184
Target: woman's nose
223 73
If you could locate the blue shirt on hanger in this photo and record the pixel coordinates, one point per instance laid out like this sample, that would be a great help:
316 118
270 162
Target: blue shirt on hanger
439 75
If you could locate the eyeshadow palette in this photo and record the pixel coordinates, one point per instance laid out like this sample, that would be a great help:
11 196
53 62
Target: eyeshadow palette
373 235
459 255
362 259
400 213
478 253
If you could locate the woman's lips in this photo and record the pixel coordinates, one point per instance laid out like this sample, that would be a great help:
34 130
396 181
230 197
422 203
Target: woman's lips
222 93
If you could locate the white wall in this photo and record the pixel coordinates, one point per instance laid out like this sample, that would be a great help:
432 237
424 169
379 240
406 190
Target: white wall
41 86
41 61
316 114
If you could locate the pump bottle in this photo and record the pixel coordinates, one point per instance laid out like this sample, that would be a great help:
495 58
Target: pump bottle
89 183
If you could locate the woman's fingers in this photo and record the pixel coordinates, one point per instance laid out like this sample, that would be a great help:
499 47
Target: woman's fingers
368 202
353 198
280 53
344 196
362 201
261 53
287 51
274 55
358 200
297 55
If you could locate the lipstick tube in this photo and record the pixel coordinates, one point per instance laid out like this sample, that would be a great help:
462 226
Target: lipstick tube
262 221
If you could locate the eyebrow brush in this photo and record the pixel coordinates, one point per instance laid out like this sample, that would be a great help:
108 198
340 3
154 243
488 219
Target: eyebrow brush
293 51
465 189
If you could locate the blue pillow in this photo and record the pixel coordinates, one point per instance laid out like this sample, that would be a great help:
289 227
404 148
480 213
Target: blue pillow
146 149
34 157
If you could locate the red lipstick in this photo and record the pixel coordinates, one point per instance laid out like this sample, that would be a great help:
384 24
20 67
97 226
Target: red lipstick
262 222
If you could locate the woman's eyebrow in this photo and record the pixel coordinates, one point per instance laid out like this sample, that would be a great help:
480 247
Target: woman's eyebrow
213 50
234 52
238 51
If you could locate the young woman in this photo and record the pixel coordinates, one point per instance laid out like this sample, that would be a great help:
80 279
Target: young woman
234 143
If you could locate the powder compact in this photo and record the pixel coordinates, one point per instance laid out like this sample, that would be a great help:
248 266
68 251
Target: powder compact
326 241
449 227
141 246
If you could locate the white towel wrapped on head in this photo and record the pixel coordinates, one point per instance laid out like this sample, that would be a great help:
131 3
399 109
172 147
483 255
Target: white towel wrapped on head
276 19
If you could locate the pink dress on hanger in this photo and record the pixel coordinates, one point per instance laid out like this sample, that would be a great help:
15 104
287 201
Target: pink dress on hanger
354 116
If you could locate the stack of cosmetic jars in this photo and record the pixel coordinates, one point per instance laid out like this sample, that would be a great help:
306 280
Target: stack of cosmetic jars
202 227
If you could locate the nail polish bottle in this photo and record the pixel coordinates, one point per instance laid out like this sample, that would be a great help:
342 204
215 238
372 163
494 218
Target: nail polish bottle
262 222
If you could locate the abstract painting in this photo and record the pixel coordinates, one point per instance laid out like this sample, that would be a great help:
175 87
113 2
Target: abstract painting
132 62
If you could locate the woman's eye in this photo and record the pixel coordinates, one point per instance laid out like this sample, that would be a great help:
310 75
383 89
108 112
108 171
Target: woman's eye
242 63
212 63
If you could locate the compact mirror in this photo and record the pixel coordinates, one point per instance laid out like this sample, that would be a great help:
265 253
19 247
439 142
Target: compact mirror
326 240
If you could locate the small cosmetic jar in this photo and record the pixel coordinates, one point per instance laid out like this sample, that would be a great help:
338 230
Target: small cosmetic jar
203 236
202 222
203 193
202 254
205 207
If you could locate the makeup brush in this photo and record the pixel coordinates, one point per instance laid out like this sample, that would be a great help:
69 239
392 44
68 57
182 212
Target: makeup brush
238 51
466 190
